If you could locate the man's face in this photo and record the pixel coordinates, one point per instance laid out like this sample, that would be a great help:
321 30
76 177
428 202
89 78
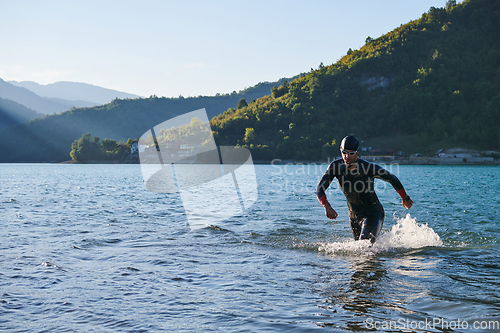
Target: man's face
349 156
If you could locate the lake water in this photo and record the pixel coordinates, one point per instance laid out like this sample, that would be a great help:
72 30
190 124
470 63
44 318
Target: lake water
87 248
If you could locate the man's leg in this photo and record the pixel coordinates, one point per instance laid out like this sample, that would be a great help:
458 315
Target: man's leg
355 227
371 225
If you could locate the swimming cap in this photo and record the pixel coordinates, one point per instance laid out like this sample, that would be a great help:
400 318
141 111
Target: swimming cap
350 143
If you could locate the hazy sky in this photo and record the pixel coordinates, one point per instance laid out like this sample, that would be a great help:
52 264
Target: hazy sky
189 48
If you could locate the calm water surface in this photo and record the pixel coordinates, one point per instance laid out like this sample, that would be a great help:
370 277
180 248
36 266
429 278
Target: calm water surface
87 248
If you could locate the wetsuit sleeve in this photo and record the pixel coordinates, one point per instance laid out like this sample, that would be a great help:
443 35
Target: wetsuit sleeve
402 193
324 183
385 175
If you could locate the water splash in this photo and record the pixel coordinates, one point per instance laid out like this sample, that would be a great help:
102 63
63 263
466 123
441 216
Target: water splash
406 234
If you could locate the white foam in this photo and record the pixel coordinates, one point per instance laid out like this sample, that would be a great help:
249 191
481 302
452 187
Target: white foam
406 234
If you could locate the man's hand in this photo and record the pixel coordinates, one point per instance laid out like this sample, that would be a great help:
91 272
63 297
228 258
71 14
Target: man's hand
330 212
408 203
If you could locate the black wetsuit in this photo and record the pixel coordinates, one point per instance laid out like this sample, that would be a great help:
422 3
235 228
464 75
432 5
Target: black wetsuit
366 214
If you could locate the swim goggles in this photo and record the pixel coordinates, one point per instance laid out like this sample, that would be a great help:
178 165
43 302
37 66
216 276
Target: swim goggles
345 152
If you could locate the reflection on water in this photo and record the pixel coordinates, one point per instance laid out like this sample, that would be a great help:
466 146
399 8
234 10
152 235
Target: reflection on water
403 290
358 293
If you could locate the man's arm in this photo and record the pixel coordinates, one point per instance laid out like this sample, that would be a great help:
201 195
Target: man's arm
383 174
407 202
329 211
323 184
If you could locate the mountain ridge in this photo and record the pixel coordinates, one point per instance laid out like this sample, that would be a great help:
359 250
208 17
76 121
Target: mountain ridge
12 113
29 99
47 139
74 91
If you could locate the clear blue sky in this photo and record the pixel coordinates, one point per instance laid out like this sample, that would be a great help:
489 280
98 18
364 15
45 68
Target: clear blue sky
189 48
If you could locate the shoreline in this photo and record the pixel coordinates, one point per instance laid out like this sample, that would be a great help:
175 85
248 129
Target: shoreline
420 160
428 161
378 160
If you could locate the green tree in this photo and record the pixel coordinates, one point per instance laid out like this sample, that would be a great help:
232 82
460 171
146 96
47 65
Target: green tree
249 135
241 104
109 145
86 148
450 4
277 92
329 150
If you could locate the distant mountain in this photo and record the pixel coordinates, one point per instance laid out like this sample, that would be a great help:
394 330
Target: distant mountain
49 139
74 91
12 113
35 102
70 103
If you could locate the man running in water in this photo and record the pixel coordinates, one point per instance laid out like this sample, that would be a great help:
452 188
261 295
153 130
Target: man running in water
356 178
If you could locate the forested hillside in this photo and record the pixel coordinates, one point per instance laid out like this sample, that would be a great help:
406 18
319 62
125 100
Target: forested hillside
12 113
431 83
49 139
